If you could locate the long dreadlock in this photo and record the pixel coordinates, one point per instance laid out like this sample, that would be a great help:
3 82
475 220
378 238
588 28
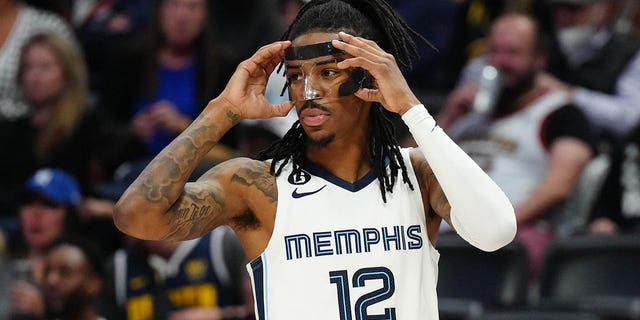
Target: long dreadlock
370 19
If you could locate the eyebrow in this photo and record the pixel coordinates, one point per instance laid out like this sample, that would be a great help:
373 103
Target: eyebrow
322 62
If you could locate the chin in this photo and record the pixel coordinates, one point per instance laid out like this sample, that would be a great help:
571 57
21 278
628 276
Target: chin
320 141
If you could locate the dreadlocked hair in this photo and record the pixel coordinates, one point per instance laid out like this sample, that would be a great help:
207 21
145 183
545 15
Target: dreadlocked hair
370 19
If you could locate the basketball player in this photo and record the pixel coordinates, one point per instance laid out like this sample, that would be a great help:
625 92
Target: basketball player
338 221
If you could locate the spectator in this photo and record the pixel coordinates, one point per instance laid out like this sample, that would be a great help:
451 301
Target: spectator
18 23
4 280
158 83
617 210
202 278
60 130
48 211
534 144
599 69
72 280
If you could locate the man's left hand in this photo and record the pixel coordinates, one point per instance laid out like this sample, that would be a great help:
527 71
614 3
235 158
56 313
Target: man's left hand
391 88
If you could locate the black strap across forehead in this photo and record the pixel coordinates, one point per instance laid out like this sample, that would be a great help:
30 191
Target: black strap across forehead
311 51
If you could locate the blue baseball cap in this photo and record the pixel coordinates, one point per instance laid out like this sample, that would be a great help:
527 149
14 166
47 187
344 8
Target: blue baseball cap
56 185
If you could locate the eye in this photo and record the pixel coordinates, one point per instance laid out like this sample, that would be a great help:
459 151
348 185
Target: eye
294 77
329 73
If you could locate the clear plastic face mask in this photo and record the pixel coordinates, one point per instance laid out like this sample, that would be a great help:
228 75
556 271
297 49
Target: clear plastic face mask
312 74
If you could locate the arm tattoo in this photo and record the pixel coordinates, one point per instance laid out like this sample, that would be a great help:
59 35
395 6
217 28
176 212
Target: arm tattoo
235 118
428 180
173 167
258 176
195 213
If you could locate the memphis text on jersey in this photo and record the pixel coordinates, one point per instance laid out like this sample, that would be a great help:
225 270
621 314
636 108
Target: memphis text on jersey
326 243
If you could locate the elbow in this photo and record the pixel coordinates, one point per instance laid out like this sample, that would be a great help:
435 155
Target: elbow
503 233
122 217
127 218
489 233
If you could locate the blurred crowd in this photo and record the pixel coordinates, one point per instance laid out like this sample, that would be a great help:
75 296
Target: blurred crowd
544 95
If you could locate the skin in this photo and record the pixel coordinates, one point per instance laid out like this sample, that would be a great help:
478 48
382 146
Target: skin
41 223
43 81
182 22
511 49
68 273
8 16
241 192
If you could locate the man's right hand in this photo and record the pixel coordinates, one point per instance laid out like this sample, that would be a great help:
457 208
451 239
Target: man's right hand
459 103
244 94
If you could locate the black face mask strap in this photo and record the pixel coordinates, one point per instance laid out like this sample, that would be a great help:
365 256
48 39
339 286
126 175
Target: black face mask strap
311 51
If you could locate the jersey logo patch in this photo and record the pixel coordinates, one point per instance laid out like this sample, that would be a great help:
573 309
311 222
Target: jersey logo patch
297 195
299 177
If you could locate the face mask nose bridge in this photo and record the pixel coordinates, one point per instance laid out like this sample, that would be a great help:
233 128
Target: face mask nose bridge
310 92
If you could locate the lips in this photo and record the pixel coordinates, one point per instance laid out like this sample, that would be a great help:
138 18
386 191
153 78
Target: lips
313 117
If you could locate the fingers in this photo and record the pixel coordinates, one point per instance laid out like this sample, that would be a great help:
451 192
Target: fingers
282 109
366 52
367 44
268 56
372 95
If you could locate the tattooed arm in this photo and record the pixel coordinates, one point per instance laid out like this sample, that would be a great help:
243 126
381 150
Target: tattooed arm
160 204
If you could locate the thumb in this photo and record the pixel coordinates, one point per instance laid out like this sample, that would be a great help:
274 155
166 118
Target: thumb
281 109
371 95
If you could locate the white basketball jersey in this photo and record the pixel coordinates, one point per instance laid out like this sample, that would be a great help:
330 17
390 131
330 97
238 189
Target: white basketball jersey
339 252
511 151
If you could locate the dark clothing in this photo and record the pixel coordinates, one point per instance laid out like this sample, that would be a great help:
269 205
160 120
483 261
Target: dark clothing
566 122
602 71
206 273
619 197
88 153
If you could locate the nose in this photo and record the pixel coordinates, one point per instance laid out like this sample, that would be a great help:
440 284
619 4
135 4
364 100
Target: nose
310 91
52 279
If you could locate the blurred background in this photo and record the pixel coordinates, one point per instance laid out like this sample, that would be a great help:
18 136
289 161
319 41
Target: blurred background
91 90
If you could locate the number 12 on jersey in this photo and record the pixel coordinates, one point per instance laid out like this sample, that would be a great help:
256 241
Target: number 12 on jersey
341 279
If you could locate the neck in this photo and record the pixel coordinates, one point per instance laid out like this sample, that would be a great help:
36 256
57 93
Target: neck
175 58
519 97
352 163
87 314
40 115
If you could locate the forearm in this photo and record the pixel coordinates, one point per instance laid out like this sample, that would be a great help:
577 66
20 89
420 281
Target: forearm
480 212
544 199
615 113
160 184
567 160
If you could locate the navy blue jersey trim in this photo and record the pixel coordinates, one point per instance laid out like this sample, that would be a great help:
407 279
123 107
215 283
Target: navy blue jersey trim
321 172
257 267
